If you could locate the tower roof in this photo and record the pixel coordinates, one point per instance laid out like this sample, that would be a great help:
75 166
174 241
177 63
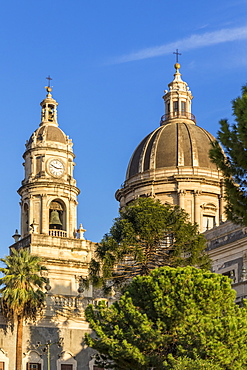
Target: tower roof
48 132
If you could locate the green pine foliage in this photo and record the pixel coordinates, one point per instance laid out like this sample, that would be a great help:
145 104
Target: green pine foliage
146 235
233 164
185 363
170 318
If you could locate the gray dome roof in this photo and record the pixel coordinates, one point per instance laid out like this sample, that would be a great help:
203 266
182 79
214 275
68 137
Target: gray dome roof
174 144
49 133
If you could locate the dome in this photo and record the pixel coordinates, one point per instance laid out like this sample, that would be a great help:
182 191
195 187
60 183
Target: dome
172 163
49 133
174 144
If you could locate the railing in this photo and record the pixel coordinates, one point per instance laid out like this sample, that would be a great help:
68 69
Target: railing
63 301
177 114
58 233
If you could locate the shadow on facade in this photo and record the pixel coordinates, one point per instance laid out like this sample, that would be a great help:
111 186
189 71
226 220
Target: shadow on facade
61 332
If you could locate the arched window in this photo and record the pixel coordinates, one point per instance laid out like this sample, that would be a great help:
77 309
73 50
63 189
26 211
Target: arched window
50 112
57 215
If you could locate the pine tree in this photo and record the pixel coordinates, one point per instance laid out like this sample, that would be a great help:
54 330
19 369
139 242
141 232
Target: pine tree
169 318
185 363
233 163
146 235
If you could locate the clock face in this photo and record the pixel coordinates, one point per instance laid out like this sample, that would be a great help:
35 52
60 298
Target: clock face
56 167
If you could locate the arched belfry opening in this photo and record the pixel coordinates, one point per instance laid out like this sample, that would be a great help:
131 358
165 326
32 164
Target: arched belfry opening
57 215
51 110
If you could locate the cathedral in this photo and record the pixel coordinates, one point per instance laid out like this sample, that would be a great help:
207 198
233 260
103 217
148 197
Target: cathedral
171 164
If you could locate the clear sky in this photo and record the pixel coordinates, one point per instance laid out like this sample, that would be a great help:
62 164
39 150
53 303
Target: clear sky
110 62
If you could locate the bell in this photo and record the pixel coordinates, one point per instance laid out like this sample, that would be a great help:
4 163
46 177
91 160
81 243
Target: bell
55 222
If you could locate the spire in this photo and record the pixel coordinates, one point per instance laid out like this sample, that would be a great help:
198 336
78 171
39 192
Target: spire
177 100
49 108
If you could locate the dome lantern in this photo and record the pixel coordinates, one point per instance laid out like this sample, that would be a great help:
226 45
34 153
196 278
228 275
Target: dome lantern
49 108
177 100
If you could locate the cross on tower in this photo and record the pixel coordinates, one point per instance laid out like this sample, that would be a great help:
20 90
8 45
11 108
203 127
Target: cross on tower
49 80
177 54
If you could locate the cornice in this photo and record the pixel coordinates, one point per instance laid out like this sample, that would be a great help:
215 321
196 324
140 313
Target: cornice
46 148
50 185
176 179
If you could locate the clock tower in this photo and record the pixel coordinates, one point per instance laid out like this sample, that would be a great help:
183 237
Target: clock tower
49 229
48 192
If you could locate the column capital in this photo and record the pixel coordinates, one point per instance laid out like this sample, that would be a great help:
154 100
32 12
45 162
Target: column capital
197 192
182 192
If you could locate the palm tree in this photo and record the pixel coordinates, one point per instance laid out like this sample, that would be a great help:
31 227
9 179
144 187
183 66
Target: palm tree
22 297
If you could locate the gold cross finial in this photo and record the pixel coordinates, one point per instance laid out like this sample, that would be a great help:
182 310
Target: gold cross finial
48 88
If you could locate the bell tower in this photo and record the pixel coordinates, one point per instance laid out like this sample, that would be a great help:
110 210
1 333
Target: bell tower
49 229
48 192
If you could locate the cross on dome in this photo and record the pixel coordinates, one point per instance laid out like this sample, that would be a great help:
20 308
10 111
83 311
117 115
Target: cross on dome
49 80
177 54
49 88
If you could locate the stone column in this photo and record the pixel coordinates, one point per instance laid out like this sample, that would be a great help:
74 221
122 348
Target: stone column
72 221
31 213
221 201
221 208
181 200
197 210
44 222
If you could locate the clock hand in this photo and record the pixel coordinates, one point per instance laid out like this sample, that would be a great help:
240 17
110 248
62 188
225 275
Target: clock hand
57 167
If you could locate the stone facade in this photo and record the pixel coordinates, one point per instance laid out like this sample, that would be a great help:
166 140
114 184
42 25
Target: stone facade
227 247
49 229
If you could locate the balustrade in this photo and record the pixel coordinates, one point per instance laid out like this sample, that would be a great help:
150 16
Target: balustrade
177 114
58 233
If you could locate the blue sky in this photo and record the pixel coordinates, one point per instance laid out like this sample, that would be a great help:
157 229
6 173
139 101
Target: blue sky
110 62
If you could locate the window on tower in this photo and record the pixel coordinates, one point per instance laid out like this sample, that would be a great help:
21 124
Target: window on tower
57 216
183 107
175 107
168 107
50 112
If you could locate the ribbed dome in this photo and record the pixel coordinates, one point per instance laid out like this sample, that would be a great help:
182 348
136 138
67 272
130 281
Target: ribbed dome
172 163
49 133
175 144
